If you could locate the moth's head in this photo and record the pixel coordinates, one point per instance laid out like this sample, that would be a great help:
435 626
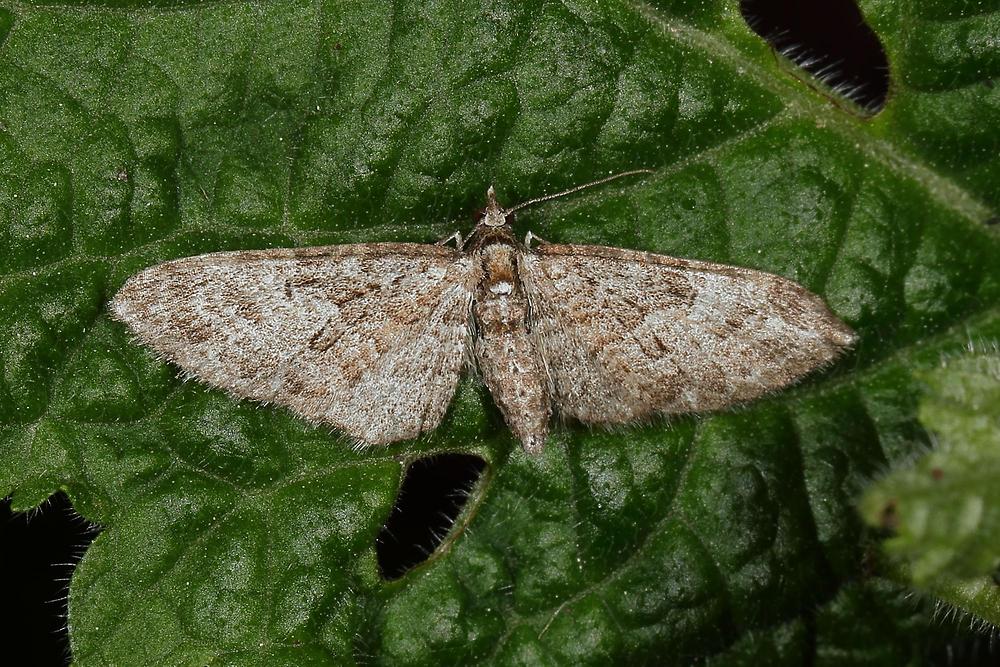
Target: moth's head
495 215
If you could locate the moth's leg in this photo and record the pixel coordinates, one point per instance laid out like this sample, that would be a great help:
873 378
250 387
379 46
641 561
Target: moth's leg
456 237
529 237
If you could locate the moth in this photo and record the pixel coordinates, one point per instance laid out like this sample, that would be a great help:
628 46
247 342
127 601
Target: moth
372 338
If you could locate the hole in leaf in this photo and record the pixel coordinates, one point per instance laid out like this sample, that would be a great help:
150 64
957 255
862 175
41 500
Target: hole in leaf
433 493
39 550
830 40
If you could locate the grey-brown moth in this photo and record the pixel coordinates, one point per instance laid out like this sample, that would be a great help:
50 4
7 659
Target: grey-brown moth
372 338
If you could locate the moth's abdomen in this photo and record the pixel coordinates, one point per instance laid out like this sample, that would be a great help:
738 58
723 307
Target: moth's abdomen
509 362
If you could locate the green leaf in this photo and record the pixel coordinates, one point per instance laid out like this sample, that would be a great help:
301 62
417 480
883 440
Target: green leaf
943 509
135 132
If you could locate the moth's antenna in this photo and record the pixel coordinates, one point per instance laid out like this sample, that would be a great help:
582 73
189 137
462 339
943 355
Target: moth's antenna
577 188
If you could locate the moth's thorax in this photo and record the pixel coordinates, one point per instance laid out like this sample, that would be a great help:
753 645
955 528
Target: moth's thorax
498 270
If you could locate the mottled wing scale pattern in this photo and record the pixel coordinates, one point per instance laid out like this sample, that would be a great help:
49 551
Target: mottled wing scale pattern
370 338
626 334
